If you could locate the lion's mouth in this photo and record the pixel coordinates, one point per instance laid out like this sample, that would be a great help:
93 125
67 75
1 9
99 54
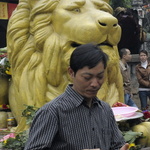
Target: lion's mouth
105 44
74 44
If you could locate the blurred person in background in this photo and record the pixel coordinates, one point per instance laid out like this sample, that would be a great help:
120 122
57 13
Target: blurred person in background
143 77
125 56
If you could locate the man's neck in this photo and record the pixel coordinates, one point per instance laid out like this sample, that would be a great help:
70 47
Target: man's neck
124 61
89 102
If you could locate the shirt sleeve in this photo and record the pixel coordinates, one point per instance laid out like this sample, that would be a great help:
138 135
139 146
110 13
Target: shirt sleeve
43 130
117 137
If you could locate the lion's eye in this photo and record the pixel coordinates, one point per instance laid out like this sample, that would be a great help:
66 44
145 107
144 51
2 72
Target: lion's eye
77 10
73 8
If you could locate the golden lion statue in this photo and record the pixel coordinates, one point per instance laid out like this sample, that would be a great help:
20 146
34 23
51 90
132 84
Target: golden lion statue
41 36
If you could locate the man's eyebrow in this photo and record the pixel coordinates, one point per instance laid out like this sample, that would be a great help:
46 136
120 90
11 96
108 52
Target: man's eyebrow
87 73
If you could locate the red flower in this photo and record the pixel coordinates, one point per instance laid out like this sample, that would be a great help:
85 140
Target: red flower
4 106
119 104
146 114
3 55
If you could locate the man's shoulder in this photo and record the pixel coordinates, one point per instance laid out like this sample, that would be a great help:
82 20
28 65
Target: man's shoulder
122 66
120 62
62 102
54 103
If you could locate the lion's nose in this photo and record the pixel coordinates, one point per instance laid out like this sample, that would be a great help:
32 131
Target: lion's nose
110 22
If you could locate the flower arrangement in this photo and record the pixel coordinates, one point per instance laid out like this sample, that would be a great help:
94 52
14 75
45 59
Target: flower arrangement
5 69
16 141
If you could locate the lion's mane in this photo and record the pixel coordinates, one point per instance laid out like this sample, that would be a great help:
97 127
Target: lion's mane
32 63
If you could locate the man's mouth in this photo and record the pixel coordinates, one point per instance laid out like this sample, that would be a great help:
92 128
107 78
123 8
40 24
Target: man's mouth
92 91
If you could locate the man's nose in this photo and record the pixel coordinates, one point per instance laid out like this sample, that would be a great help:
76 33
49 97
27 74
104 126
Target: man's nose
95 82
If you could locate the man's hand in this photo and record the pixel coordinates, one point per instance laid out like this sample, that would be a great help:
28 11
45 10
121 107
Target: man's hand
125 147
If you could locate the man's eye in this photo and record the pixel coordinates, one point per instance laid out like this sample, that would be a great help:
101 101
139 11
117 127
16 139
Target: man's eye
100 77
87 78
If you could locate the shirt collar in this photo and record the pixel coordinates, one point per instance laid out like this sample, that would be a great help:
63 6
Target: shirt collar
144 64
122 65
78 99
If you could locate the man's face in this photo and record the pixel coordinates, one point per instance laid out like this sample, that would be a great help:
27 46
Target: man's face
87 81
143 57
128 56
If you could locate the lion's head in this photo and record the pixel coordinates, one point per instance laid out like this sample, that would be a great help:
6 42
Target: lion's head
41 36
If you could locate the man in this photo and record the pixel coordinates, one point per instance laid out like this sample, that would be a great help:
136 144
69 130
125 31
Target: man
143 77
77 119
125 56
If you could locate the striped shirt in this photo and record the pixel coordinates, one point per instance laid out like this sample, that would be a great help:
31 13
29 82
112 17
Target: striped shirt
67 123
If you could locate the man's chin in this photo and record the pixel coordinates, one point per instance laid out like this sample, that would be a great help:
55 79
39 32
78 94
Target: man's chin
91 95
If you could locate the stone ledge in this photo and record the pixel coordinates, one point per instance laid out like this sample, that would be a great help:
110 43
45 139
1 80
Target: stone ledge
135 58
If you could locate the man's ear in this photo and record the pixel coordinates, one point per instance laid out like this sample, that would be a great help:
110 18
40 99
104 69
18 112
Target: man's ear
124 56
71 72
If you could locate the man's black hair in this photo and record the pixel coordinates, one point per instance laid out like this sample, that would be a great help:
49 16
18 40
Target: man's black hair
87 55
122 52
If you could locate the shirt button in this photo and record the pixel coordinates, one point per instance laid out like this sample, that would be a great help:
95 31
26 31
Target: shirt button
94 146
93 129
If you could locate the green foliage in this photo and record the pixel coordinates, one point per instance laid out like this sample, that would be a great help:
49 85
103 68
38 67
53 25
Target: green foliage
4 69
29 113
120 3
131 136
4 63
